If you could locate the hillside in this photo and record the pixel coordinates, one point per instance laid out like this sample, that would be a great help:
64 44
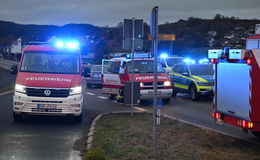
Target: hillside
191 33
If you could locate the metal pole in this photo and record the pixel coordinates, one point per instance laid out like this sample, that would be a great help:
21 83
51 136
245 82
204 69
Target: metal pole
133 50
171 52
155 48
155 98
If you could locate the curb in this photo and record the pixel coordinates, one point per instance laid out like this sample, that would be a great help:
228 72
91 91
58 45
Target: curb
93 124
92 128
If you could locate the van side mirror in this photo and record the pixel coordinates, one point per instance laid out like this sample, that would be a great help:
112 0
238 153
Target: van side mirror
14 69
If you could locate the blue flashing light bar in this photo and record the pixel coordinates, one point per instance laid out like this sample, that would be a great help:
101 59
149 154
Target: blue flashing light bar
187 60
203 61
191 61
164 55
68 44
59 44
139 55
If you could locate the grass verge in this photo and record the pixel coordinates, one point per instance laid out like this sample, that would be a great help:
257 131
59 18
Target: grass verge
122 137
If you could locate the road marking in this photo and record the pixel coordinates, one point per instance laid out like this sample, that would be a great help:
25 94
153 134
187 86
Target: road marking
7 92
92 94
101 97
140 109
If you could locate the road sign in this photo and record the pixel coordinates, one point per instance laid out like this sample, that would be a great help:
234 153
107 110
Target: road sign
128 34
164 37
127 44
154 23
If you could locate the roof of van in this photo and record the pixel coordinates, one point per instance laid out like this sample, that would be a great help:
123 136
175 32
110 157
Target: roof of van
47 48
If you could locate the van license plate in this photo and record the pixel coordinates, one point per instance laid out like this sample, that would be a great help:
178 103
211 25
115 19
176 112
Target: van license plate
46 106
151 92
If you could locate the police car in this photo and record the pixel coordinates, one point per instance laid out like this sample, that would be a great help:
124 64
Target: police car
194 78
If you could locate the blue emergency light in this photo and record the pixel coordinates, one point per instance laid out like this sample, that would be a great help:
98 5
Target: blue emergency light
164 55
139 55
203 61
192 61
188 60
67 44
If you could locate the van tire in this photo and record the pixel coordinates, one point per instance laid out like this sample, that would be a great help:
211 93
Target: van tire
112 97
17 117
193 93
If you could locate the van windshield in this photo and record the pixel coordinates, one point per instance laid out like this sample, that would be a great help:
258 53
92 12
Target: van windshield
50 62
173 60
144 67
201 69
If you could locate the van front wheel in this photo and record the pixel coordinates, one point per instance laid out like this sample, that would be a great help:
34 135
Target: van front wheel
193 93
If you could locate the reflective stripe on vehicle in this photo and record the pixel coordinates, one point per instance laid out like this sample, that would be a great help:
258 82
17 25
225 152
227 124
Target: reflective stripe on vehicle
181 86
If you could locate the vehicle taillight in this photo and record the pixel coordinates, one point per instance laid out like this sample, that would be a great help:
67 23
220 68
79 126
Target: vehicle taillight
243 123
213 114
212 60
216 115
246 124
250 125
249 61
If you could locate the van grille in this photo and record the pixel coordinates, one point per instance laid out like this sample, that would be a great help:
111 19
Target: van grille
39 92
151 83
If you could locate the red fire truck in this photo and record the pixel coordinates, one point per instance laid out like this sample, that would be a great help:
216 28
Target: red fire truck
49 81
117 71
237 88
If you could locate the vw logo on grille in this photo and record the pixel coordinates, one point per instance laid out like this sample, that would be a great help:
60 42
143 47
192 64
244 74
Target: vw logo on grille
47 92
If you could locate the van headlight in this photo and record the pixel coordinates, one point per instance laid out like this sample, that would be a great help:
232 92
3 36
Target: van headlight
75 90
20 88
167 83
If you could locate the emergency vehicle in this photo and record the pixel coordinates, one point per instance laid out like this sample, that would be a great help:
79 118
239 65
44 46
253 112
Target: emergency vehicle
237 94
49 81
194 78
237 79
169 61
117 71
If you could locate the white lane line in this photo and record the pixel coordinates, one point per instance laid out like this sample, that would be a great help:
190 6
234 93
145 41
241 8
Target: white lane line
101 97
92 94
7 92
140 109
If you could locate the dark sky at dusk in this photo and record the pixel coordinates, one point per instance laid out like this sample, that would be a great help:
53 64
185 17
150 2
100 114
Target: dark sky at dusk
111 12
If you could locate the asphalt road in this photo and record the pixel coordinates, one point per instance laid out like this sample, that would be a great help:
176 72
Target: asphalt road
6 79
52 138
